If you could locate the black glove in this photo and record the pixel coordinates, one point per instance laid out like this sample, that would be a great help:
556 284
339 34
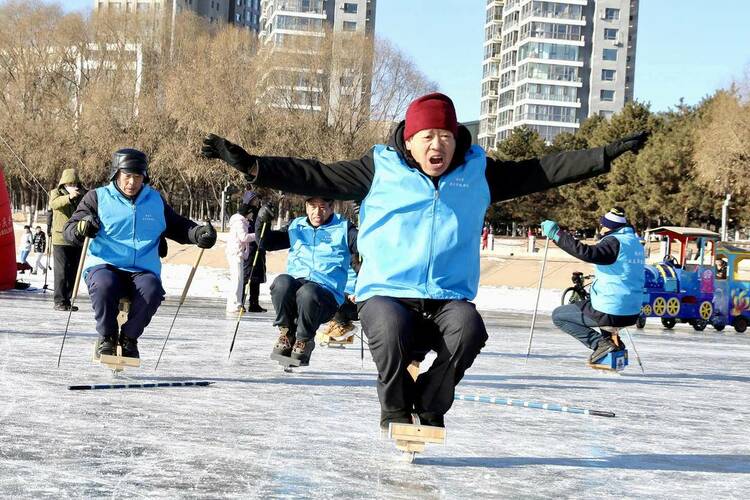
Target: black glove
203 236
87 227
266 214
218 147
633 142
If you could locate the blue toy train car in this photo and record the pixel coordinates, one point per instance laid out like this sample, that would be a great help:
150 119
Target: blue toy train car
704 285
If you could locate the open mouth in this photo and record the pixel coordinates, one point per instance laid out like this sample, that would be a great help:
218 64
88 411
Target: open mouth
436 160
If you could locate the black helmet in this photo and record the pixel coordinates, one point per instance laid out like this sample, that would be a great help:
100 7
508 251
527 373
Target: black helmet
129 160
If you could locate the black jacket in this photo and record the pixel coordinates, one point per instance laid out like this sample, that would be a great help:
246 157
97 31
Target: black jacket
603 253
351 179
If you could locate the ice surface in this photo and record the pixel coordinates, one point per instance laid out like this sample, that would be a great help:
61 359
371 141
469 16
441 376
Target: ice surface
681 430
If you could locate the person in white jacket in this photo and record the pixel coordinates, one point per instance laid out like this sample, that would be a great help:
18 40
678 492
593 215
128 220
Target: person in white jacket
237 250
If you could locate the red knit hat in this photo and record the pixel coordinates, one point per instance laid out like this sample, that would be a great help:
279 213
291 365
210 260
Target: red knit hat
431 111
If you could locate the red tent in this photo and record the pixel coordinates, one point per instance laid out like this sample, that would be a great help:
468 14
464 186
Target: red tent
7 239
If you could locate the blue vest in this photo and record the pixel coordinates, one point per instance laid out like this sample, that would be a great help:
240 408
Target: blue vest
320 254
351 281
417 241
128 238
618 288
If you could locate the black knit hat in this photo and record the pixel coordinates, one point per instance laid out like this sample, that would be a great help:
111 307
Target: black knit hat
614 219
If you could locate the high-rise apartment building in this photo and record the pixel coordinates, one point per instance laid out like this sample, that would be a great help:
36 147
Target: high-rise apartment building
281 20
548 65
245 13
283 23
216 11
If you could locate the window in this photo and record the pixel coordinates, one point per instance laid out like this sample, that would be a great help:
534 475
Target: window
238 17
609 54
611 14
350 8
607 95
610 34
350 26
608 75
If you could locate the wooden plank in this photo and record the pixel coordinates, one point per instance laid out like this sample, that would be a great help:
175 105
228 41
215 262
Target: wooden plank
119 361
416 433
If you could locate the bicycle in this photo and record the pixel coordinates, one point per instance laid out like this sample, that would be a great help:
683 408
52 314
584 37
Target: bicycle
579 291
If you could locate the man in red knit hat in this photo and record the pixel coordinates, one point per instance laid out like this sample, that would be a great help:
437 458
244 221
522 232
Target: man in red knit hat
424 198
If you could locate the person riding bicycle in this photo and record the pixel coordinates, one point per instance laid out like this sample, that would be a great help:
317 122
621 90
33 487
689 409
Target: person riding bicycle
617 290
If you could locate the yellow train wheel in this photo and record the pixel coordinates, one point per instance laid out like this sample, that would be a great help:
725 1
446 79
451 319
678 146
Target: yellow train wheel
673 306
659 306
646 309
706 309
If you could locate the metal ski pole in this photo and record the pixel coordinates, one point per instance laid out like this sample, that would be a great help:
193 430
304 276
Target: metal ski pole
247 289
532 404
75 294
46 264
637 357
182 301
536 304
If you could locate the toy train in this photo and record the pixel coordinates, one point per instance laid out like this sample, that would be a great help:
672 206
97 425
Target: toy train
706 285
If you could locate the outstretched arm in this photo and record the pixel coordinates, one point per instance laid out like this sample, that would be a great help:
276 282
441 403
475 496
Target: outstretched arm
512 179
508 179
603 253
343 180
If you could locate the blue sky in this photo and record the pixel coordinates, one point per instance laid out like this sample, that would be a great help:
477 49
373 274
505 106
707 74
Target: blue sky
686 48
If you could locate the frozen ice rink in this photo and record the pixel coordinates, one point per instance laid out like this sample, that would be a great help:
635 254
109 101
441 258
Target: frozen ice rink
681 430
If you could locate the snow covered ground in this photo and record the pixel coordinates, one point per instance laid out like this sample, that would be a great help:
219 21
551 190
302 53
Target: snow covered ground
680 431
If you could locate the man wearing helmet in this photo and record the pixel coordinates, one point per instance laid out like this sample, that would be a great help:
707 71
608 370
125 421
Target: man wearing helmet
126 221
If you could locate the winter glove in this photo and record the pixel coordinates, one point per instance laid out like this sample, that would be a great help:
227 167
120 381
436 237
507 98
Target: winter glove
218 147
266 214
203 236
633 142
87 227
550 230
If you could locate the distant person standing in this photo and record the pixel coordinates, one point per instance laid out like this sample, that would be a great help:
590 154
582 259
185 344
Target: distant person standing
25 248
39 241
237 250
485 236
63 201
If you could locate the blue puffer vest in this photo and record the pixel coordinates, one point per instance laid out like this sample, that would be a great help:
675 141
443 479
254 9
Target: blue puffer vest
320 254
417 241
129 234
618 288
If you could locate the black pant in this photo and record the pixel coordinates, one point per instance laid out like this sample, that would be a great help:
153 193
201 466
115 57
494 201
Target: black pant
107 285
301 305
346 313
65 259
400 331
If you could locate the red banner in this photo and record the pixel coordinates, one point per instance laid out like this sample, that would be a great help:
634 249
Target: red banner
7 240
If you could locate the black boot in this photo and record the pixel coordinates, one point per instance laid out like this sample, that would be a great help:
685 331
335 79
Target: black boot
255 308
302 350
432 419
129 347
107 345
604 347
284 343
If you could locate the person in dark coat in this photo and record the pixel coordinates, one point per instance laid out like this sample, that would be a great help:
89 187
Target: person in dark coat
255 267
40 248
126 221
617 289
63 200
424 195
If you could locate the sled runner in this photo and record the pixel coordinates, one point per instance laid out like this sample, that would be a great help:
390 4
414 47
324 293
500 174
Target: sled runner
412 438
287 363
118 362
615 361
